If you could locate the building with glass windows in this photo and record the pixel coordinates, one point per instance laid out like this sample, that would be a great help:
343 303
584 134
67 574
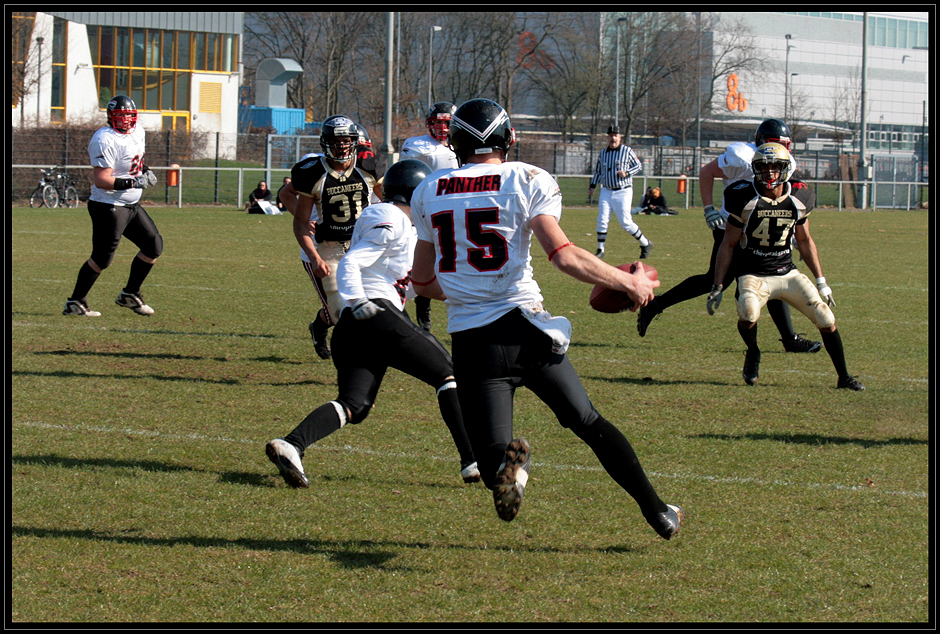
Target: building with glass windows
181 69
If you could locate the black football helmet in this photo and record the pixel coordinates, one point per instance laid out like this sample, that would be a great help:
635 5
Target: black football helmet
438 119
122 114
339 138
773 131
402 178
480 126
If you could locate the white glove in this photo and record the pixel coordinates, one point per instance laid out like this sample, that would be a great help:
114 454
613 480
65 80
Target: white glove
365 309
824 291
714 299
713 218
145 180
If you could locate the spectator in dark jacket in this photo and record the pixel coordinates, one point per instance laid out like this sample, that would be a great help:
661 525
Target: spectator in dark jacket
261 192
655 203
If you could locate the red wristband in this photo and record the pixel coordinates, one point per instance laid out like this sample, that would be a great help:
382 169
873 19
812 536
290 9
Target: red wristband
552 254
430 281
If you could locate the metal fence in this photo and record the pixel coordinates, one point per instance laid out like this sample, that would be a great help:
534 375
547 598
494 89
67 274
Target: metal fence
222 168
229 187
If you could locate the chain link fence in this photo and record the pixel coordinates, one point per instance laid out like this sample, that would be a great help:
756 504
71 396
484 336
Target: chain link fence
223 168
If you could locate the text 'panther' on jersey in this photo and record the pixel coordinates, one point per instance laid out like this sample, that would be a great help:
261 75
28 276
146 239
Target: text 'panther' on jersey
461 185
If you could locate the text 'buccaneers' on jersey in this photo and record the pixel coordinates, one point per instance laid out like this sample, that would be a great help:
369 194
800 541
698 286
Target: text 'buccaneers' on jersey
339 197
767 224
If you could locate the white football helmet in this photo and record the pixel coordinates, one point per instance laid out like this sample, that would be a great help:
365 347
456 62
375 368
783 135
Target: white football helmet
773 165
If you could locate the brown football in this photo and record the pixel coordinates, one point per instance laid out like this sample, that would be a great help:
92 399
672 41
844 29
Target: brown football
606 300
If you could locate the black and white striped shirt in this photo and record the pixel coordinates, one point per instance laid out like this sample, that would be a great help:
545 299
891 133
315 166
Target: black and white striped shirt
609 162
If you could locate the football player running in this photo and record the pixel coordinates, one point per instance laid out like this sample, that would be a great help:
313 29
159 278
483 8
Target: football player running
764 214
432 148
733 165
374 333
118 180
332 192
475 225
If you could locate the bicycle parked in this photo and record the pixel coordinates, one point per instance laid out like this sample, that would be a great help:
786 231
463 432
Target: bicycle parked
54 188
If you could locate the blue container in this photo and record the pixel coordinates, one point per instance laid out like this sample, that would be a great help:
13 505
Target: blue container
282 120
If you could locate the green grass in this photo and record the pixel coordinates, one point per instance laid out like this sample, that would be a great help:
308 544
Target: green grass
140 491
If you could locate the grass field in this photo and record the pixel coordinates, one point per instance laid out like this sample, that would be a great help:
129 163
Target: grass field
140 492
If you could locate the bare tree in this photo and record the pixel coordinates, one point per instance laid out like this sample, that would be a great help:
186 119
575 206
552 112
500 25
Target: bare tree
845 108
26 67
574 82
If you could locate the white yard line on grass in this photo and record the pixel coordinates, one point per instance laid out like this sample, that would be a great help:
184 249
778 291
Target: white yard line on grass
398 454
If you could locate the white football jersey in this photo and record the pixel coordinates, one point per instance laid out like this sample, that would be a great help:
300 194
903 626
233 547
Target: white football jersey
428 149
378 263
124 154
477 217
735 164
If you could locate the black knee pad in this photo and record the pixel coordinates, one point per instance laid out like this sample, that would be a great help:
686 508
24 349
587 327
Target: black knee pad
155 249
359 411
102 260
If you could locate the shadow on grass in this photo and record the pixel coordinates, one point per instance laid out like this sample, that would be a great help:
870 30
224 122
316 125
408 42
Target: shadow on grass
813 439
65 374
241 478
130 355
229 477
173 357
352 553
647 380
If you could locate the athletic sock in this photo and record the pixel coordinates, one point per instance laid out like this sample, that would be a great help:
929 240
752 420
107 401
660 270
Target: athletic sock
87 277
833 343
318 424
750 336
620 461
453 418
139 271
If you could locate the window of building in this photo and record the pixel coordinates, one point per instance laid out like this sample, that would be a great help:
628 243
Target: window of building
59 76
21 35
152 66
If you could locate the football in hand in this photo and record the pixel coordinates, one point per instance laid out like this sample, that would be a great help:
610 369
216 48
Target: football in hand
606 300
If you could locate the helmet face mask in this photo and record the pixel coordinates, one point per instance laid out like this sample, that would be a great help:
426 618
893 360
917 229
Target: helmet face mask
480 126
122 114
401 180
773 165
438 120
339 138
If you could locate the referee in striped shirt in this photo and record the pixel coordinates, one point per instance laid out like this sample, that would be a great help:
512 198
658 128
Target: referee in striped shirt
616 165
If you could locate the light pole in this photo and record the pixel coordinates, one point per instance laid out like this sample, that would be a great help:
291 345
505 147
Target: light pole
790 91
38 80
696 155
430 61
617 76
786 77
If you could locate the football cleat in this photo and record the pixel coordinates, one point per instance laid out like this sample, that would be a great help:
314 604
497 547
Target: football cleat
423 315
645 317
318 334
849 382
670 522
600 252
134 301
751 366
79 307
470 472
511 479
287 460
645 251
799 344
